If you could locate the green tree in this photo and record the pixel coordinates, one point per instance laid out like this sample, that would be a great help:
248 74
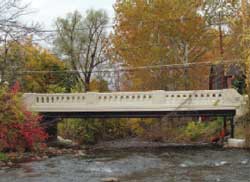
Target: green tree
81 41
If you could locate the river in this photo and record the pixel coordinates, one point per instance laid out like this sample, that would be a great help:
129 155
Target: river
165 165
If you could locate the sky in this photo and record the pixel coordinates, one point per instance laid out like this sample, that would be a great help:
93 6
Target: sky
46 11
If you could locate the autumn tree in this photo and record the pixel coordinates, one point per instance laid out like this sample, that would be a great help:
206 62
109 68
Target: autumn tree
36 69
12 29
159 33
20 129
226 16
245 13
219 14
81 41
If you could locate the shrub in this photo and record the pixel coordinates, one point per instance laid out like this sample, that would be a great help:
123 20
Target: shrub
19 128
245 124
247 135
3 157
90 131
202 130
195 130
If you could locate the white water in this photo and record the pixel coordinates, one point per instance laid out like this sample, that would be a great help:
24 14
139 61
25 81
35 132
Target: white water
161 166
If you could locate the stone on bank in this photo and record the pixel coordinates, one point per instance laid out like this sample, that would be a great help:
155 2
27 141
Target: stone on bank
110 180
235 143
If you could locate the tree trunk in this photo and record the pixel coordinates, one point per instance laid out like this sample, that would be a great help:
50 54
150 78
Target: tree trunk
87 83
221 37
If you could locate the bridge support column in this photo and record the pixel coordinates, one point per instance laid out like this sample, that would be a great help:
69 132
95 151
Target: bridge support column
52 132
232 126
50 127
225 123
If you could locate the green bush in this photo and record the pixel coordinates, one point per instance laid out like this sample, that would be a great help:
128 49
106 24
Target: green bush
183 131
90 131
195 130
202 130
244 122
3 157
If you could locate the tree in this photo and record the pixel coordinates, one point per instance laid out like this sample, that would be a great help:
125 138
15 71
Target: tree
36 69
99 85
19 128
81 41
12 29
162 32
218 14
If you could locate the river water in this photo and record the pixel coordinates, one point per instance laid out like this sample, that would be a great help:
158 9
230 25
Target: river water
180 165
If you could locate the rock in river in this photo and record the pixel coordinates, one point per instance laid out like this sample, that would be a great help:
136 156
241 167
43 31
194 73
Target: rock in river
110 180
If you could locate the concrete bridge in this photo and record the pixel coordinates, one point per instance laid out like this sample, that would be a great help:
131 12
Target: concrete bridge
152 104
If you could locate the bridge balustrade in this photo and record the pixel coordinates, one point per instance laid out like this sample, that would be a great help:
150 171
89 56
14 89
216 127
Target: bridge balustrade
136 101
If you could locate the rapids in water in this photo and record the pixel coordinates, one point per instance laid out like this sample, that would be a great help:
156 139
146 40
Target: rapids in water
165 165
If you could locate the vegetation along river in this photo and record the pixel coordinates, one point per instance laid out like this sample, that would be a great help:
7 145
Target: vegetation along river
182 165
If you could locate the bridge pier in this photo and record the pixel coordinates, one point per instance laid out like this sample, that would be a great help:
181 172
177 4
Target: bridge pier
50 127
232 123
225 123
52 132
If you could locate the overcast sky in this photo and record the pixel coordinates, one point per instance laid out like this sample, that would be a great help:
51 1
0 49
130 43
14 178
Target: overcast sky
46 11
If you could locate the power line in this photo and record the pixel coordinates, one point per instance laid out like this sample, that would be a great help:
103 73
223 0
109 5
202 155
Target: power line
206 35
130 69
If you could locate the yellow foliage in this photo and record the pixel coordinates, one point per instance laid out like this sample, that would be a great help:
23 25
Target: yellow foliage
155 33
99 85
140 126
34 60
248 72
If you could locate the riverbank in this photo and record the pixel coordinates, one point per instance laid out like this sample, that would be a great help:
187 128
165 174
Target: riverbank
14 159
137 144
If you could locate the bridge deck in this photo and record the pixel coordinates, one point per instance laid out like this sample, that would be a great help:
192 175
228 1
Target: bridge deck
138 104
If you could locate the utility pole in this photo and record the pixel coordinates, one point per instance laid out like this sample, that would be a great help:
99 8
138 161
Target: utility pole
221 35
117 76
186 54
244 23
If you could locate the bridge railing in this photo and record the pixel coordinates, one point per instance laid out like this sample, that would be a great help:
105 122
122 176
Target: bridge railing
151 100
